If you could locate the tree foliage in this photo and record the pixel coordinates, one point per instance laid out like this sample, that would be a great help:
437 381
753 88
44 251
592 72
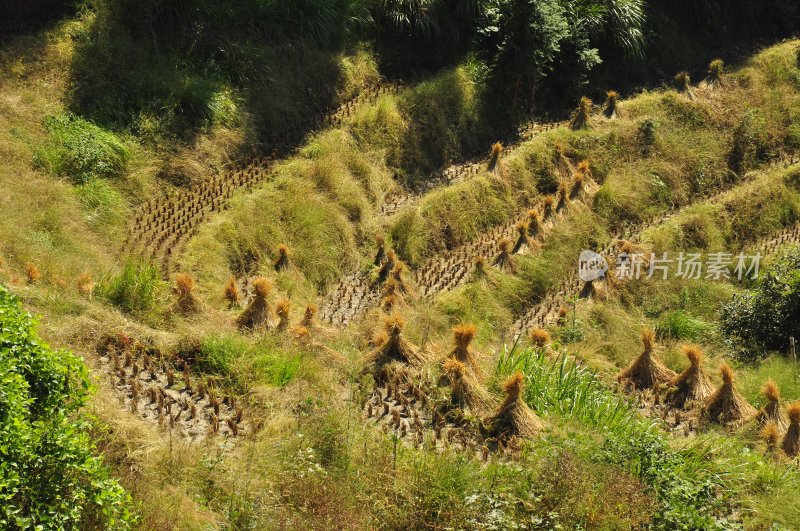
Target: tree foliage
49 477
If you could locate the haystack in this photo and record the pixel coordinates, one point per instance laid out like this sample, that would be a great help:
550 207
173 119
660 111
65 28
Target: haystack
539 337
588 290
692 385
770 434
387 266
184 286
791 441
466 390
282 263
548 207
713 79
534 223
494 157
398 275
380 254
771 412
231 292
561 162
257 312
727 406
282 310
522 237
683 84
646 370
394 348
479 269
463 335
309 316
611 106
580 118
514 417
580 179
504 261
563 196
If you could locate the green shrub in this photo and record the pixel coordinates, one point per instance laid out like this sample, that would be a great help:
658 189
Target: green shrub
136 289
768 314
81 150
49 478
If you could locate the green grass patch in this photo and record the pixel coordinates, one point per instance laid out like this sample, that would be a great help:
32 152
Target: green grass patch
244 364
137 289
80 150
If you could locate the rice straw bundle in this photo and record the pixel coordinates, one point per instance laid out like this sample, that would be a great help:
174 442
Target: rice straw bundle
646 371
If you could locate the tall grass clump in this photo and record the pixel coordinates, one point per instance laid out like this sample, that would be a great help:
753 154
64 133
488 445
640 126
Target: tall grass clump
136 289
80 150
683 481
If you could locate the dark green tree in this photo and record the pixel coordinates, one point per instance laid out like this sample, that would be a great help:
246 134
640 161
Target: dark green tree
528 34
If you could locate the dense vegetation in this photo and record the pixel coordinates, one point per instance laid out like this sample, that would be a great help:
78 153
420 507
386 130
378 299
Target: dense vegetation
767 315
49 477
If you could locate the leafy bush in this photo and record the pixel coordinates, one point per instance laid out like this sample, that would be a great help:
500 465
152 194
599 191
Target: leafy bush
81 150
768 314
48 475
135 289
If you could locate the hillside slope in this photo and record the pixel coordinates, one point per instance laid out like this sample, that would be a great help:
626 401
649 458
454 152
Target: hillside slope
266 316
